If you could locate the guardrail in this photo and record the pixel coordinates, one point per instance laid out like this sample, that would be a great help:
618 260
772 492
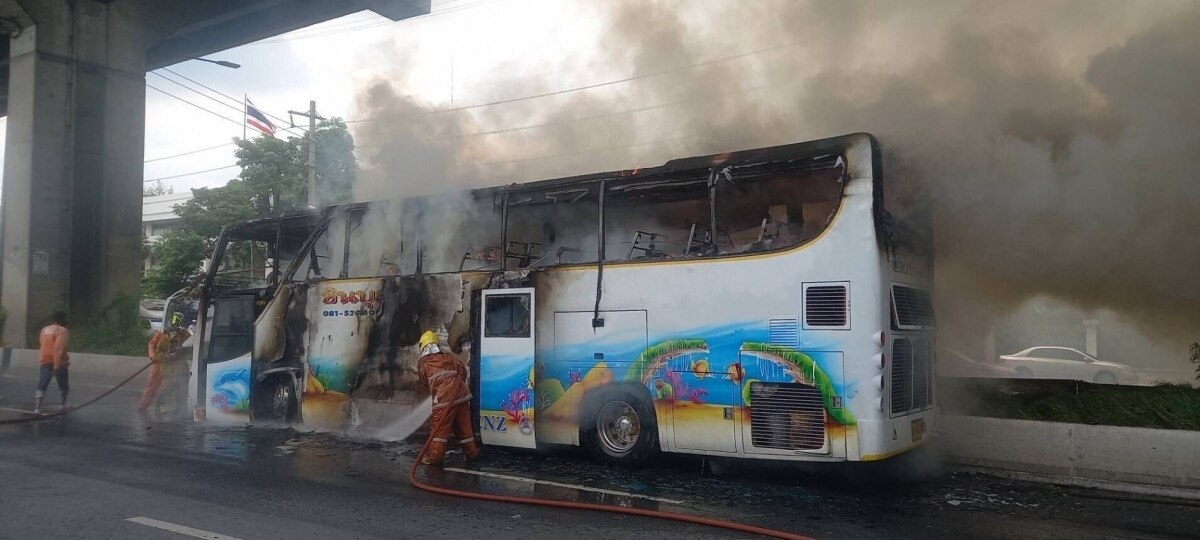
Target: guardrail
1078 454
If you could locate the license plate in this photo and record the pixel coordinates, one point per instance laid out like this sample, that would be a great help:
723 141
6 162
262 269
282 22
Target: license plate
918 429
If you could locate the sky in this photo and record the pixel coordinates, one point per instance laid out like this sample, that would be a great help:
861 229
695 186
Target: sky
453 50
455 47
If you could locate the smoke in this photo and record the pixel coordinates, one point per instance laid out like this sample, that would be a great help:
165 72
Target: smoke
1056 145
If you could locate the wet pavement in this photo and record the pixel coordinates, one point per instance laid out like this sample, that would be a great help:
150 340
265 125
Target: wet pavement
87 474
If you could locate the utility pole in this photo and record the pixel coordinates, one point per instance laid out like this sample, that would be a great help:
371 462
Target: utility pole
312 149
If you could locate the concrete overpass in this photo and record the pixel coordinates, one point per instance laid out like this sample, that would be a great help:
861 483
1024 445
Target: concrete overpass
72 84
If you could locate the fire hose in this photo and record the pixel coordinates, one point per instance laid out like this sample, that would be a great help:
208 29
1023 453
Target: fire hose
697 520
64 412
412 478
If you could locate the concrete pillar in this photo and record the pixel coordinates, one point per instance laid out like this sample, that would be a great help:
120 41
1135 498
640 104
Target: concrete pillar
73 164
989 345
1092 327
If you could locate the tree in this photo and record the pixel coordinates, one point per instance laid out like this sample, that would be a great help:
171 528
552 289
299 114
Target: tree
1195 350
157 188
336 166
273 181
179 253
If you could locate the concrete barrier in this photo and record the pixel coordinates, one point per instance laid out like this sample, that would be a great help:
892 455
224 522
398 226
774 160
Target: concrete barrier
23 362
1078 454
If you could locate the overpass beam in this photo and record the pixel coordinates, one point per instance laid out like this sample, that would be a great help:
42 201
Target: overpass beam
73 165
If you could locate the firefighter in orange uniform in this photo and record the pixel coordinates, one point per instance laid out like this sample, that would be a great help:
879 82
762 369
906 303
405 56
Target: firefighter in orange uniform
446 379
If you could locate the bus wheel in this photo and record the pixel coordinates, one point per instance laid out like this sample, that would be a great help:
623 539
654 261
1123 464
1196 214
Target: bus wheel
623 430
277 401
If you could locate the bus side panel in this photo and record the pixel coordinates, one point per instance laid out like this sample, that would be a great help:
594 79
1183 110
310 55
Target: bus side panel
704 314
583 358
342 314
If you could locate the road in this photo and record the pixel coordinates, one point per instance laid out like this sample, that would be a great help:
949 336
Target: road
106 472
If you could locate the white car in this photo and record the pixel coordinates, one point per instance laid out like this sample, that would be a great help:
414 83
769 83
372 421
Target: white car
151 311
1065 363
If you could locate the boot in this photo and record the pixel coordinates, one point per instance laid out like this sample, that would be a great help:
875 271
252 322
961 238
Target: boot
435 454
471 451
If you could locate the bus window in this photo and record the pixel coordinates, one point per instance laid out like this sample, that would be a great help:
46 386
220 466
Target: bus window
768 206
232 328
507 316
244 265
317 263
375 240
657 218
555 226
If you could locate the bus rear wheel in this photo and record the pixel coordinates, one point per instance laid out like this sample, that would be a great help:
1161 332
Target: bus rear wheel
622 430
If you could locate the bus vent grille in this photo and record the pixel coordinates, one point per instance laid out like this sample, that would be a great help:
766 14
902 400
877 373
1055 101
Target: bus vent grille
784 332
912 375
914 308
786 416
826 306
922 374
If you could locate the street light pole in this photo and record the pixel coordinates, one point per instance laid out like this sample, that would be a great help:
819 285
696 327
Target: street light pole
221 63
312 153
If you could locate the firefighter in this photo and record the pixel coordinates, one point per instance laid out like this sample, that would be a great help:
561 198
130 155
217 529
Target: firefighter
445 377
161 349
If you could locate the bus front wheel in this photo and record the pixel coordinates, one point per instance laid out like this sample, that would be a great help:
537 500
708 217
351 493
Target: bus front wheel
277 401
622 430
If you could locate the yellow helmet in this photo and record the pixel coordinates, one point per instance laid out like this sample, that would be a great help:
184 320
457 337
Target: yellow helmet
428 338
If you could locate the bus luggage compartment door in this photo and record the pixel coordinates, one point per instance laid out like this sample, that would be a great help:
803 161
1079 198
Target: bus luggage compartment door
506 368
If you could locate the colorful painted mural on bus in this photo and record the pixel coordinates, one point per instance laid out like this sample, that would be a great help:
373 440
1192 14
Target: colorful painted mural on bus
343 313
696 378
506 397
229 390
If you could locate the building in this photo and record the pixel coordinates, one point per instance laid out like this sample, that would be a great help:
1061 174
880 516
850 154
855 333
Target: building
158 217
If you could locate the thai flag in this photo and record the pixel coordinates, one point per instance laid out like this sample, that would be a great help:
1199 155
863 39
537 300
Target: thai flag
257 120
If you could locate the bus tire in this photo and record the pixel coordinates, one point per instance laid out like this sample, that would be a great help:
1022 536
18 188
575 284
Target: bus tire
276 400
619 426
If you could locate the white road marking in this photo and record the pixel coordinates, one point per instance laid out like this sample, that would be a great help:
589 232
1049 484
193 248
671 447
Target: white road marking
180 529
562 485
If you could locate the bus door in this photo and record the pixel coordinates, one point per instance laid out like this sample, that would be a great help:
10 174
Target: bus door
227 364
506 368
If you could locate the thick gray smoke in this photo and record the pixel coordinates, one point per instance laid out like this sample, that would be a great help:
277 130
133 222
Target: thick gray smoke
1057 143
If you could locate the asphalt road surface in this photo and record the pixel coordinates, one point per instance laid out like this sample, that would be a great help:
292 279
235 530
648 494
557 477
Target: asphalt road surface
106 472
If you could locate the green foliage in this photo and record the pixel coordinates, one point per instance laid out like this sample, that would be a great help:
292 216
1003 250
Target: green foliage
179 253
1165 406
273 181
1195 349
336 166
116 330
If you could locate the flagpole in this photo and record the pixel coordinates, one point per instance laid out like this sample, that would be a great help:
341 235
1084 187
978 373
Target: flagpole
244 100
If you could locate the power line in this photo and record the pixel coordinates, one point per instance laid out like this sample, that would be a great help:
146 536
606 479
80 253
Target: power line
577 153
582 88
596 116
223 94
189 173
219 102
190 152
209 111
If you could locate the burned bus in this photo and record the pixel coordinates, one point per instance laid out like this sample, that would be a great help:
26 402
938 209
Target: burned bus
757 304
